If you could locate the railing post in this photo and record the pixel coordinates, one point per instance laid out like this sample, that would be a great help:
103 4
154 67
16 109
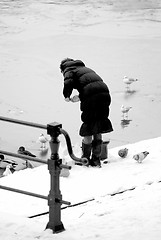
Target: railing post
54 166
54 197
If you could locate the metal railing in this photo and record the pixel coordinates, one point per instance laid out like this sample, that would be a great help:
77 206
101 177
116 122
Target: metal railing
54 166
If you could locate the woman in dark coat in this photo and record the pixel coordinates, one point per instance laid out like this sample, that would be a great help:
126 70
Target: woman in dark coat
94 99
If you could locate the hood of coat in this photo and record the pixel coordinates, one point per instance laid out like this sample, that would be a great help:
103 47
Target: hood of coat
70 64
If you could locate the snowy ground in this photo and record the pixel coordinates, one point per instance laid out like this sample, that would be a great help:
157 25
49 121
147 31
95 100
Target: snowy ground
134 213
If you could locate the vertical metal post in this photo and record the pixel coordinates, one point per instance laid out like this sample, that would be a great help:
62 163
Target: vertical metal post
54 197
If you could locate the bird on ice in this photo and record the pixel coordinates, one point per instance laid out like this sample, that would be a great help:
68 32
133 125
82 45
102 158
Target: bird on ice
43 140
125 111
128 81
23 151
140 156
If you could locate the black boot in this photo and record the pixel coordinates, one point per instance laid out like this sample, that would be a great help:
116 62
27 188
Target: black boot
96 153
86 152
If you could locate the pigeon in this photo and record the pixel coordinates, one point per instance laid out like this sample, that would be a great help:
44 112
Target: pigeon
43 140
128 81
4 162
125 111
140 156
123 152
23 151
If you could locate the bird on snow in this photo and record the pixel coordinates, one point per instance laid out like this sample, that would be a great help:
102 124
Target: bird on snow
128 81
123 152
43 140
7 171
125 111
23 151
4 162
140 156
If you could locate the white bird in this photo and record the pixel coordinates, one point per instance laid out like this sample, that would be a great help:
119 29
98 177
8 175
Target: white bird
128 81
43 140
140 156
125 111
7 171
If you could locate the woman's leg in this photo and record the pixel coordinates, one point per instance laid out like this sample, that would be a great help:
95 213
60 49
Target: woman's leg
97 136
87 147
87 139
96 150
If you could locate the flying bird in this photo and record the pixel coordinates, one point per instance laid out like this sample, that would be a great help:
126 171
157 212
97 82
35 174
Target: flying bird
23 151
125 111
128 81
140 156
43 140
123 152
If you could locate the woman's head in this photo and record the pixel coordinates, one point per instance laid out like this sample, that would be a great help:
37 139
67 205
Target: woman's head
63 63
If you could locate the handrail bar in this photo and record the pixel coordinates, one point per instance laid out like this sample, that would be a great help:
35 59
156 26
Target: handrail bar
34 159
37 125
62 131
70 150
32 194
23 192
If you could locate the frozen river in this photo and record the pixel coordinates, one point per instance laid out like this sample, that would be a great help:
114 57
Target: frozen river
115 38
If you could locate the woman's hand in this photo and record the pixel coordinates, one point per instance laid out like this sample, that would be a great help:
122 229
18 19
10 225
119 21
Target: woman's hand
67 99
75 99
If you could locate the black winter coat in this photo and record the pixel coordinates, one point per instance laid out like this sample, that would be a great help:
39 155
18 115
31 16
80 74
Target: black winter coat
94 96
